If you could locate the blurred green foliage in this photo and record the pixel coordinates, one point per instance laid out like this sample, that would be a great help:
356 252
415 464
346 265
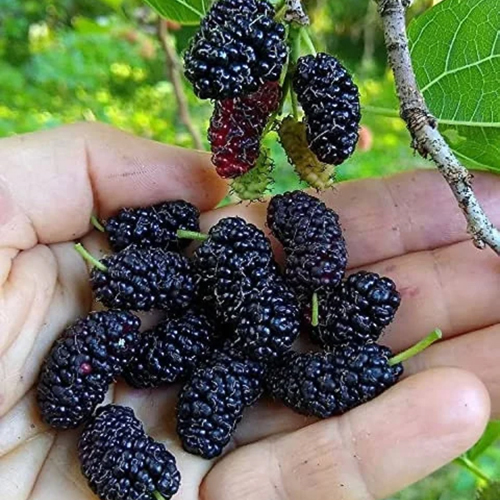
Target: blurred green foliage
68 60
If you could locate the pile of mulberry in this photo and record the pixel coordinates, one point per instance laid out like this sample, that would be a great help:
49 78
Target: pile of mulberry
237 49
236 128
358 311
144 279
323 384
121 461
330 101
81 365
153 226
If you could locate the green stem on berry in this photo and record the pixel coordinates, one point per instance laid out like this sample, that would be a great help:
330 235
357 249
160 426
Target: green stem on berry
294 41
417 348
97 224
158 495
191 235
468 464
306 37
88 257
315 310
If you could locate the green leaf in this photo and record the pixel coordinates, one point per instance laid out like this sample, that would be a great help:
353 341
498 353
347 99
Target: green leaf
186 12
455 48
491 435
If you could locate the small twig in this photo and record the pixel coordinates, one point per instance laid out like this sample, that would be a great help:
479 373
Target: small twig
174 75
472 468
295 13
427 139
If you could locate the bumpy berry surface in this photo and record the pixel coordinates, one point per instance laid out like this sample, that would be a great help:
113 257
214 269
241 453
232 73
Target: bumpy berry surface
269 323
255 184
153 226
144 279
170 351
323 384
229 265
212 402
316 267
238 48
359 311
121 461
330 101
312 238
236 128
294 141
82 363
297 218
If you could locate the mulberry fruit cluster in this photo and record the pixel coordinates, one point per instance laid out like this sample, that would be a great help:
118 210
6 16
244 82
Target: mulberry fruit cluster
236 128
121 461
330 101
152 227
238 48
230 319
81 365
311 235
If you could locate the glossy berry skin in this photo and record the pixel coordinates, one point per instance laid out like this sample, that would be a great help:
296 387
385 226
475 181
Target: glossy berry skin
144 279
330 101
359 311
269 322
236 128
296 219
120 461
237 49
171 350
316 254
230 264
153 226
211 403
81 365
324 384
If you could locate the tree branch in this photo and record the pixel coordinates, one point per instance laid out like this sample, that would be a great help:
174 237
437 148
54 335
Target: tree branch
174 75
427 140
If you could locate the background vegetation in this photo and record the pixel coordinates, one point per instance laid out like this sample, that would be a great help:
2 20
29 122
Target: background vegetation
68 60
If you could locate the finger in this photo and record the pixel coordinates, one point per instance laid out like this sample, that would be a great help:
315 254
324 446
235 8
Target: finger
384 218
476 352
369 453
455 288
51 181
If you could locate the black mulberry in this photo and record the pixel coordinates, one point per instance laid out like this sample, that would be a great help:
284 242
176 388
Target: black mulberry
330 101
171 350
153 226
359 311
82 363
121 461
324 384
144 279
238 48
230 264
211 403
269 322
236 128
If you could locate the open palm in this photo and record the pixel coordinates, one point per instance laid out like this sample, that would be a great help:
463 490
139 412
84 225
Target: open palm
407 227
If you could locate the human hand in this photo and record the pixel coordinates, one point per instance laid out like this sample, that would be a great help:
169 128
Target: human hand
407 227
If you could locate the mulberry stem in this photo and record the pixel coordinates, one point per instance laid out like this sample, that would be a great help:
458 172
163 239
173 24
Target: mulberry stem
472 468
96 223
158 495
417 348
191 235
89 258
306 37
315 310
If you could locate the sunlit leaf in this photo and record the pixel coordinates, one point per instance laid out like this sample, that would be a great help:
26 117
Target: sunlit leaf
182 11
455 48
